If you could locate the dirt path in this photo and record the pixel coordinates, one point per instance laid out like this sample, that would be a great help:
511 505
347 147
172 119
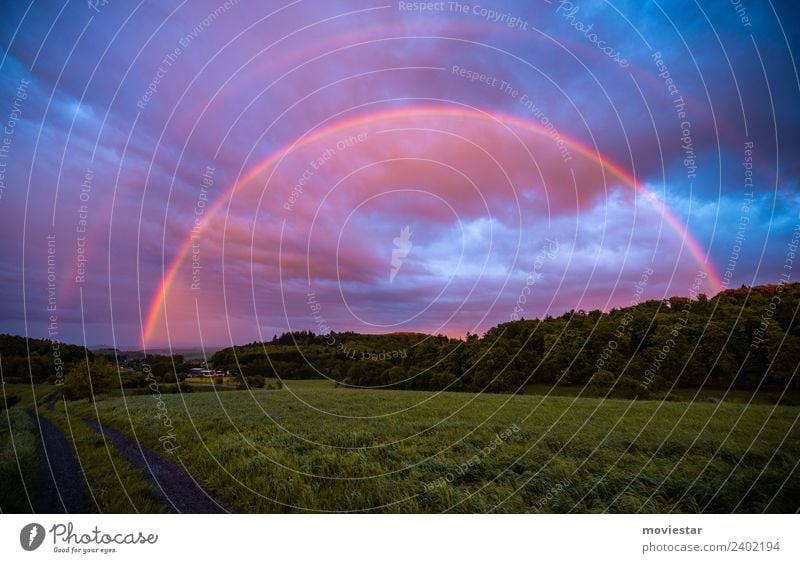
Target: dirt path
61 487
173 484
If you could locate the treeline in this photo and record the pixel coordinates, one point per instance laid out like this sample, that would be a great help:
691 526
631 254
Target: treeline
81 373
746 338
26 360
23 359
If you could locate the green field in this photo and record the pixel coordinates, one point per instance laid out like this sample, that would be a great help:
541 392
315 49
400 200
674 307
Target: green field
315 447
18 459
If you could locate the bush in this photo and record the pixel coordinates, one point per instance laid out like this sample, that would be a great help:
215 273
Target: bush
602 381
628 388
10 401
657 387
443 380
163 388
785 401
252 382
83 383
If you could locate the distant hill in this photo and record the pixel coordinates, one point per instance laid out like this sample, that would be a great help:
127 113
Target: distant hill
46 360
745 338
187 353
137 354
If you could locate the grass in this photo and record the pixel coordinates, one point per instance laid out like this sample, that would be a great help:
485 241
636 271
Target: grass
19 445
115 486
315 447
680 394
226 380
307 384
19 460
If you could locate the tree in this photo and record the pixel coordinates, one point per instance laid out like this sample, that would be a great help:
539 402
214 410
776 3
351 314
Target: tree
83 383
394 374
734 338
367 373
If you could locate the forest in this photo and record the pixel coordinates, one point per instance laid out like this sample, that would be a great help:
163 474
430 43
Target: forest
745 338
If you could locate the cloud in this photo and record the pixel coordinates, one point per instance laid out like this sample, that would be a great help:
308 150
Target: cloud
482 197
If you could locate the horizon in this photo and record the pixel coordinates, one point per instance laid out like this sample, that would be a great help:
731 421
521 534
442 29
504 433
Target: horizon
215 347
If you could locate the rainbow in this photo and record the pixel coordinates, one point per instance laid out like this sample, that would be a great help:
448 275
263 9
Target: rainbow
159 299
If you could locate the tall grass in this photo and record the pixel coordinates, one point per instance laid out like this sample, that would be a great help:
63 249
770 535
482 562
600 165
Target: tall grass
317 448
19 460
114 486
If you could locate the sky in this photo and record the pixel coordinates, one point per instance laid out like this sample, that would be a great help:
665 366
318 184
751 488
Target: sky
185 174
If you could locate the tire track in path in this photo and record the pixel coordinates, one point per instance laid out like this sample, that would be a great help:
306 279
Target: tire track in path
174 486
